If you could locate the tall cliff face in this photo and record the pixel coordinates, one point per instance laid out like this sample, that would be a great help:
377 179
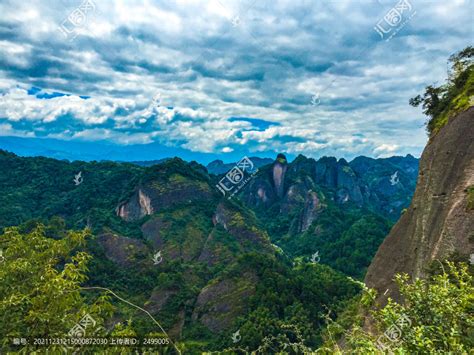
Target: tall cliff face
279 170
289 189
440 219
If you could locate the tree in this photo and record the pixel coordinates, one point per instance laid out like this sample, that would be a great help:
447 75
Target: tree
40 287
439 103
436 317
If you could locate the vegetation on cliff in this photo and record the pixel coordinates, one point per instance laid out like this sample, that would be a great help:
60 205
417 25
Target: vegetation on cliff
436 317
441 103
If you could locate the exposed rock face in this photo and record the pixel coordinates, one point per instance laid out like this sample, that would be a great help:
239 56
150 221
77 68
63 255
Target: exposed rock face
439 221
177 329
311 209
364 182
279 171
242 228
264 195
220 303
234 223
139 206
347 183
184 246
158 299
379 187
122 250
326 172
291 189
154 197
210 254
233 234
152 231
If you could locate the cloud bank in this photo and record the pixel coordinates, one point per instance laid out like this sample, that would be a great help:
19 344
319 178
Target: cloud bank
226 76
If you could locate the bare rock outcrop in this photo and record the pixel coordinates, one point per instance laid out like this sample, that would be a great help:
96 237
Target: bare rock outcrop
279 170
122 250
137 207
312 208
158 299
439 221
221 302
241 233
156 196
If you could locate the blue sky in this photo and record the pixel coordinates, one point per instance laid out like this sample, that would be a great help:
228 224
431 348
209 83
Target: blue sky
227 78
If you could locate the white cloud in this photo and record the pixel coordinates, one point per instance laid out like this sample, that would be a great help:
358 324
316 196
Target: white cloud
208 70
385 150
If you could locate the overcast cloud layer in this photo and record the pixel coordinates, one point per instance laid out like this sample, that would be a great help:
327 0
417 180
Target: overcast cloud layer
310 77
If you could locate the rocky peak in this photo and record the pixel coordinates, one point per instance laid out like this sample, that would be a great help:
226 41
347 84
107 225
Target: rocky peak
343 162
326 172
279 170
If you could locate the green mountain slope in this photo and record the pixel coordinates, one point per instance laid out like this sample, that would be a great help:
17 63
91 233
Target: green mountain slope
165 239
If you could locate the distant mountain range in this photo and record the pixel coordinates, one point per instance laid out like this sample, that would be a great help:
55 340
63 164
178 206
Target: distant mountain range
103 150
218 167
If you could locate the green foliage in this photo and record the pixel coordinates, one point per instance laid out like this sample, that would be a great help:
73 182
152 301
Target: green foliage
470 198
346 240
40 286
281 158
443 102
42 188
289 302
174 171
440 314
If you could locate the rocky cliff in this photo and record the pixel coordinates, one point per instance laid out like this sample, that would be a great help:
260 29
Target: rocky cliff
301 188
440 220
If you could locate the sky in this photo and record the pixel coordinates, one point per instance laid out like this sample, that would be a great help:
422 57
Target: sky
227 78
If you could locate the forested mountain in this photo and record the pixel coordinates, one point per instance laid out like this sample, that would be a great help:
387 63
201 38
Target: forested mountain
340 210
165 238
